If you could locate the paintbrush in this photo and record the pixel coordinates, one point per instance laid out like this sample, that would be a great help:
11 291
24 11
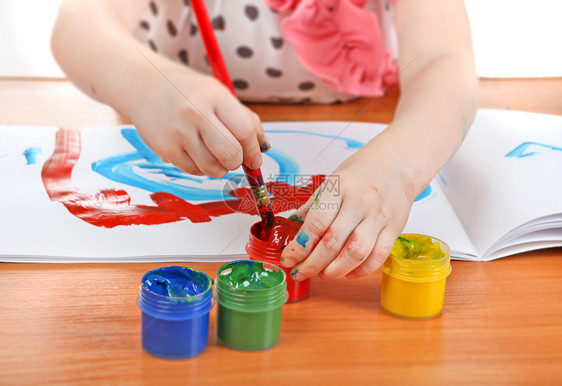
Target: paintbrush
218 67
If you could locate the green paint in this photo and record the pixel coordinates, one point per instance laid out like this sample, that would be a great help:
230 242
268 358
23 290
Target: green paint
250 297
93 89
417 247
250 275
316 203
295 217
282 258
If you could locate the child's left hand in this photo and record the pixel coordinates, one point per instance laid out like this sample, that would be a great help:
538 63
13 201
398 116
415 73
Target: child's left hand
354 217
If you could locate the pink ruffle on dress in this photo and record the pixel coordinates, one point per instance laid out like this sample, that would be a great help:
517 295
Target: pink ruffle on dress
340 42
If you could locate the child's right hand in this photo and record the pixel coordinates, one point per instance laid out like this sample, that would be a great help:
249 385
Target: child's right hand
194 122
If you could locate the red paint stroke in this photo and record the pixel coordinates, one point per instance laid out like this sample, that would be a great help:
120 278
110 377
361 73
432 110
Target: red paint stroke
112 207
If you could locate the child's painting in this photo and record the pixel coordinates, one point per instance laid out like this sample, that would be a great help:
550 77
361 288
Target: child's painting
100 194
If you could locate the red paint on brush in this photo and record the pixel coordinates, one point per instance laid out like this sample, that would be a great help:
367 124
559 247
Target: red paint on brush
255 179
112 207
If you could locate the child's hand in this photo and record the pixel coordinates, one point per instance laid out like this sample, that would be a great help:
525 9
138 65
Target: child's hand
195 123
352 220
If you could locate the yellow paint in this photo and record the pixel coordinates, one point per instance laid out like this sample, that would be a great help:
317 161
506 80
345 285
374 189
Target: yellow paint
414 277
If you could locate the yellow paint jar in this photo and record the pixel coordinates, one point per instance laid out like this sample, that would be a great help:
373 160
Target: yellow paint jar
414 277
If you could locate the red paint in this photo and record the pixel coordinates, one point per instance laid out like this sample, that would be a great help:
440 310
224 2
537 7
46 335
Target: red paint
328 237
280 232
112 207
254 176
255 179
269 249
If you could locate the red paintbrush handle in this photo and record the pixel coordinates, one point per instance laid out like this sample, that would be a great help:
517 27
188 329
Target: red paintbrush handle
214 54
254 176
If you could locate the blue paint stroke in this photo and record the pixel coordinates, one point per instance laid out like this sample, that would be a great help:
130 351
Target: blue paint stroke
426 192
141 168
527 149
288 165
156 175
31 154
302 239
350 142
443 180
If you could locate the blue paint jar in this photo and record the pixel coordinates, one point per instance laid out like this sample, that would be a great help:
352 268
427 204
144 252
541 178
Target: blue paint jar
175 303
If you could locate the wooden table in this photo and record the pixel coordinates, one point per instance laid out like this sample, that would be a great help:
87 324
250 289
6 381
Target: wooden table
79 323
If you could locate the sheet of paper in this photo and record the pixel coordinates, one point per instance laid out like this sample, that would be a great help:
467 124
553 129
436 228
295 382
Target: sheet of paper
507 173
102 178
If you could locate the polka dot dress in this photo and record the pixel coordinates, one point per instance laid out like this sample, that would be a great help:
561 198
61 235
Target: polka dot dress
261 63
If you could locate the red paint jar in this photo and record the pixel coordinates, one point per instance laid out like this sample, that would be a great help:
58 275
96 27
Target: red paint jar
268 252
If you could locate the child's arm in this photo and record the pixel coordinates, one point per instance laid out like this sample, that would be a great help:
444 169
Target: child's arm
190 120
352 230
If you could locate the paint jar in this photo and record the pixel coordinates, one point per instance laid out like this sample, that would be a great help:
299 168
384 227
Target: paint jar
175 303
250 297
270 252
414 277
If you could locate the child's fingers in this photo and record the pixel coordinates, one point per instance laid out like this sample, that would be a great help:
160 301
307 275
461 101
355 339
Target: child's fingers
245 128
300 214
355 251
329 246
222 144
378 255
318 220
184 162
205 161
263 141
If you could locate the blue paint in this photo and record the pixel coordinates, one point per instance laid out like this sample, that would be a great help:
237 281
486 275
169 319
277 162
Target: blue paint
158 176
425 193
527 149
288 165
350 142
141 168
302 239
176 281
175 304
294 273
31 154
442 179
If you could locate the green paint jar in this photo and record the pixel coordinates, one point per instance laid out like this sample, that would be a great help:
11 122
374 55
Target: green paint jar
250 297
